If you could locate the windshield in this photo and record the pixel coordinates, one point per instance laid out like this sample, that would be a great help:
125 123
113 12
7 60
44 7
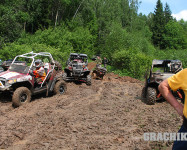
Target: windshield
168 68
19 68
84 59
21 65
159 70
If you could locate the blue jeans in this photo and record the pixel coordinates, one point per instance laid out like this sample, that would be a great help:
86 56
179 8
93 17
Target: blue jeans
180 145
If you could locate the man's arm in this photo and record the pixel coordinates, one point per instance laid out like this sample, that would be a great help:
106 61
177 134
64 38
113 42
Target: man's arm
41 71
166 93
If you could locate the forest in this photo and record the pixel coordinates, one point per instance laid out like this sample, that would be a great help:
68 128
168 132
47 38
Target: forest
110 28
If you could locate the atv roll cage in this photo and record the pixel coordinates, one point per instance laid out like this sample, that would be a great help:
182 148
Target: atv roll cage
170 66
23 68
75 56
160 70
32 56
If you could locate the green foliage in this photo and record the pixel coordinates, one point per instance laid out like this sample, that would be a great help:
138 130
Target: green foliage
119 39
59 41
172 54
114 41
158 25
167 33
132 64
79 40
113 29
9 52
10 27
174 37
167 14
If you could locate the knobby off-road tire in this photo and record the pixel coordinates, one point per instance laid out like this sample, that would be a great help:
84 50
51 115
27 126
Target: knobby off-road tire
143 94
88 80
151 96
21 96
60 87
64 76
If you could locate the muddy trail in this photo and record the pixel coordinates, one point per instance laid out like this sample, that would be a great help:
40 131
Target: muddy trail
109 114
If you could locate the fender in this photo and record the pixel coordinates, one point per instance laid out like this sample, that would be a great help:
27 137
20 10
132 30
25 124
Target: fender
53 83
27 84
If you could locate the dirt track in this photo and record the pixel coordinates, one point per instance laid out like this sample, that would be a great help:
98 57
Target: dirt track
109 114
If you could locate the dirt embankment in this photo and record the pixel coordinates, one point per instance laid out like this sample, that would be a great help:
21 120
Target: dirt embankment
109 114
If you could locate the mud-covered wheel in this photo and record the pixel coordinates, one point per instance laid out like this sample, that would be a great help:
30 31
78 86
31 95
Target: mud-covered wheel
64 76
21 96
143 94
102 77
88 80
60 87
151 96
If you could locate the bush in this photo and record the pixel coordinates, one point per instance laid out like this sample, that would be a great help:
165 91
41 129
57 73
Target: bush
132 64
12 50
78 40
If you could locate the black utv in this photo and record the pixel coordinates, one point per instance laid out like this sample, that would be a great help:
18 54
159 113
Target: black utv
160 70
77 69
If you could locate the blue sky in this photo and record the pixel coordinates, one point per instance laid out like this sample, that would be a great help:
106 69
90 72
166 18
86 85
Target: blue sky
177 7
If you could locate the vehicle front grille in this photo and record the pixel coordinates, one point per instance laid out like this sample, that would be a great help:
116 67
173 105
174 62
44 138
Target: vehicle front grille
77 67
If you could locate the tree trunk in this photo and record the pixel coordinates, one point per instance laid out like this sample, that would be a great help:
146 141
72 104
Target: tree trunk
56 17
24 25
77 10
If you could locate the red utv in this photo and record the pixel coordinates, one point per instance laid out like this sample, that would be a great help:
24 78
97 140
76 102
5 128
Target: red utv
20 83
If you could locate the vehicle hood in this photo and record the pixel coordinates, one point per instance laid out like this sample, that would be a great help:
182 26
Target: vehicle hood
164 75
11 75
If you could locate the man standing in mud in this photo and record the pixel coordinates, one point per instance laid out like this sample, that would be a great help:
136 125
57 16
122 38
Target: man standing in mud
98 61
105 61
177 81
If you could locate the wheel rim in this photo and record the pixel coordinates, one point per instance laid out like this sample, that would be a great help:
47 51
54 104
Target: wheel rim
23 97
61 90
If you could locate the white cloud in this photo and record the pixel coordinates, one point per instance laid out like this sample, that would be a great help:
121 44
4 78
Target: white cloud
181 15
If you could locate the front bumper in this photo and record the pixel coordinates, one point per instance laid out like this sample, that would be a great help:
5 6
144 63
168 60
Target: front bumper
76 79
3 87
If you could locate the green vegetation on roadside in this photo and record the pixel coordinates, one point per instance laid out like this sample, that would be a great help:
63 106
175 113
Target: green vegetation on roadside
112 29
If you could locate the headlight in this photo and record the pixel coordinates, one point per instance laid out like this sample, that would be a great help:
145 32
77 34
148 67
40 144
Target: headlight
12 81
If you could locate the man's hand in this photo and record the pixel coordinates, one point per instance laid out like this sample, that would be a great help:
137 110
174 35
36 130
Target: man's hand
166 93
31 72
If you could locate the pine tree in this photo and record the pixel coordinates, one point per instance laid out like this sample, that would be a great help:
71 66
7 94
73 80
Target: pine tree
158 25
167 14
